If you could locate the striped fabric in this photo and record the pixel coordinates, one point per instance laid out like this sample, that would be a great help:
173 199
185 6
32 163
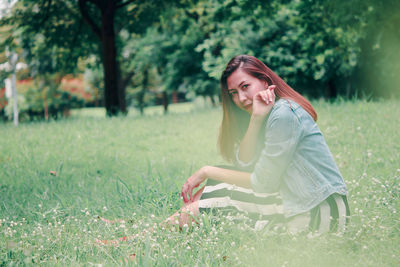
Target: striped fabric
331 215
230 198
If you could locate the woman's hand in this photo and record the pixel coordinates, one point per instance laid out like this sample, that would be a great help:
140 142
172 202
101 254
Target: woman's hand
194 181
263 102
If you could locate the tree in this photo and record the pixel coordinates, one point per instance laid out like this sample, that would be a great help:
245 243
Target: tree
64 25
105 32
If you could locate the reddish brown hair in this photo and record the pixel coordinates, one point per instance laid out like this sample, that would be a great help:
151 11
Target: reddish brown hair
235 121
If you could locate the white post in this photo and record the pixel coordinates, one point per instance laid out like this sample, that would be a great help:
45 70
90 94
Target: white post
14 97
13 58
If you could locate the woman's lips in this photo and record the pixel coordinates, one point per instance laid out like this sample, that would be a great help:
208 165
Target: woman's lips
248 106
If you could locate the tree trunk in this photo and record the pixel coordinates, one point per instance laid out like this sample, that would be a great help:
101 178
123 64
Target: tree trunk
165 101
212 100
114 94
332 90
143 90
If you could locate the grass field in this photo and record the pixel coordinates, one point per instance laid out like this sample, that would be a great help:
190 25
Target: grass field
133 168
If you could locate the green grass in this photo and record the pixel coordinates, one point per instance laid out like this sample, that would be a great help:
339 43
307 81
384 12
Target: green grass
133 168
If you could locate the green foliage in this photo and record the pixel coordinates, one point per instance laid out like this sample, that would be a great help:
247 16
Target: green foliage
100 170
51 34
321 48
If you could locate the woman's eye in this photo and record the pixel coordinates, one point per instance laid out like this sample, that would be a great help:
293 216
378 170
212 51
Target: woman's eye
232 92
245 86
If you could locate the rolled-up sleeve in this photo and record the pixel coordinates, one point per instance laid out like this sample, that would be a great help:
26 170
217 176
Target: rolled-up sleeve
281 139
242 163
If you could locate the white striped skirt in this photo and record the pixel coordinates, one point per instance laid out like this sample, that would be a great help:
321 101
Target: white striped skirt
266 208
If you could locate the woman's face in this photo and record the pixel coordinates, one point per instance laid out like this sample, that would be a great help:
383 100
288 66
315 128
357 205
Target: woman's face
243 87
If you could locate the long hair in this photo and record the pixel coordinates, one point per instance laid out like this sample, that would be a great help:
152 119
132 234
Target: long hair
235 121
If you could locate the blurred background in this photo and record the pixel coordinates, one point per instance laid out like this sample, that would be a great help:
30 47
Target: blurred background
124 56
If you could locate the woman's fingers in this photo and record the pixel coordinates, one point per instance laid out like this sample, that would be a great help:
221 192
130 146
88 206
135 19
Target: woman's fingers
263 96
185 198
267 96
186 189
190 193
184 194
271 93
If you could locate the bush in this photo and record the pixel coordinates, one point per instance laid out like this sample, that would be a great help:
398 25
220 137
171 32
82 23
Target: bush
36 99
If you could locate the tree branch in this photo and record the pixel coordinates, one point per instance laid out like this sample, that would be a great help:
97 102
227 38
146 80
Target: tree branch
127 79
88 19
124 4
47 12
192 15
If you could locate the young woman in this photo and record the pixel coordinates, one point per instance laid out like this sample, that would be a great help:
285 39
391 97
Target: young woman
285 171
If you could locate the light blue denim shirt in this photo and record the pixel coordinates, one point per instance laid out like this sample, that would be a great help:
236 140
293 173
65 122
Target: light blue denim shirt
295 160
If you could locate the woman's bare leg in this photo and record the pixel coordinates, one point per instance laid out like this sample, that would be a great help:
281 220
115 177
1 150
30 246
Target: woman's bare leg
186 215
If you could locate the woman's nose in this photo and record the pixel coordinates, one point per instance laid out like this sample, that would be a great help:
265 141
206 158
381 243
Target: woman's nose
242 96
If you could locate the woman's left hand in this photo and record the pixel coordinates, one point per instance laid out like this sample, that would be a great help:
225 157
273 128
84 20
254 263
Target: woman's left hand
192 182
263 102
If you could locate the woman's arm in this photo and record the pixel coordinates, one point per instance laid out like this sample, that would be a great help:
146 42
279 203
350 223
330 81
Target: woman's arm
248 144
228 176
238 178
262 105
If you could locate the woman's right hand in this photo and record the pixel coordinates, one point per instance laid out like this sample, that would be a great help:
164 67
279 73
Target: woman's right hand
192 182
263 102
